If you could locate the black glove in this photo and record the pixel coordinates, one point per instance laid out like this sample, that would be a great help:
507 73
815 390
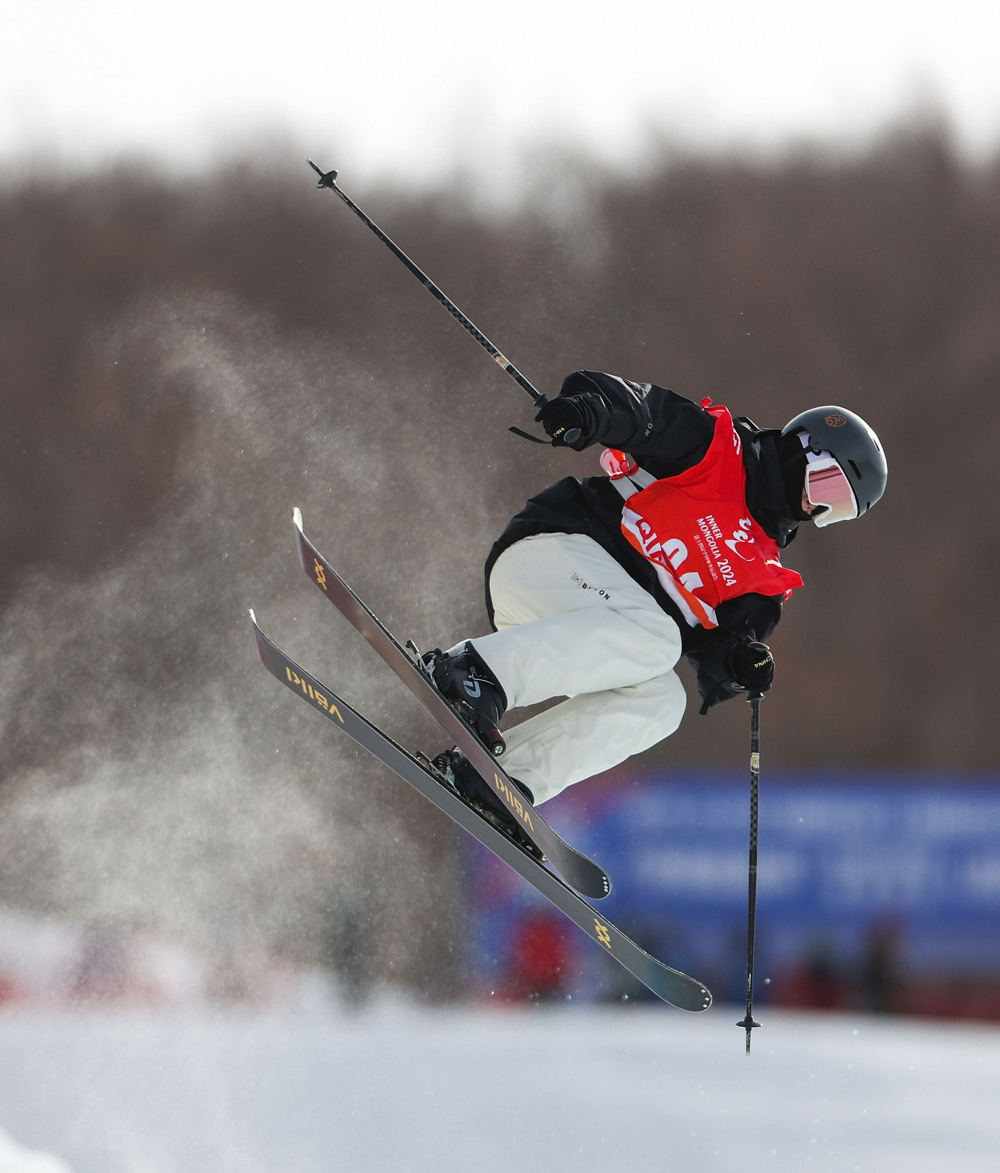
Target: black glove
565 417
752 666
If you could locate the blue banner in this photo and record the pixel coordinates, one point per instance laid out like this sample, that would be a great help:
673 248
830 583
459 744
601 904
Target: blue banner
841 861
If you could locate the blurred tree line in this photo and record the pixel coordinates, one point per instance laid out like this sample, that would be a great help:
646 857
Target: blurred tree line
185 359
871 282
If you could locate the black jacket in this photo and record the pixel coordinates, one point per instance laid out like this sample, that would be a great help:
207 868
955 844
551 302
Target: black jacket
666 434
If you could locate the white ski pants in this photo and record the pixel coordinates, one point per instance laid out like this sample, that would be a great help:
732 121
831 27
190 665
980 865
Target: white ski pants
571 623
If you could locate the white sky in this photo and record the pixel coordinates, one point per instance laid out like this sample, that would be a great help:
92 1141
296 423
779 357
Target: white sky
410 88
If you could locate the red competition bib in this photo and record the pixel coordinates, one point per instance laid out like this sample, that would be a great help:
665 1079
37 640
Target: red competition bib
697 531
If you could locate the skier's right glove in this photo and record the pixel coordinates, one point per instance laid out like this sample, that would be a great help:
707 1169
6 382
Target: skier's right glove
752 666
565 416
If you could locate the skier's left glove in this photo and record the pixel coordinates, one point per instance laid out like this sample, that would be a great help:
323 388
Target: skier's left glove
752 666
565 416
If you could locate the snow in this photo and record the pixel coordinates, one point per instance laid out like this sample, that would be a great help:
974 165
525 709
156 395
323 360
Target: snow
16 1159
408 1090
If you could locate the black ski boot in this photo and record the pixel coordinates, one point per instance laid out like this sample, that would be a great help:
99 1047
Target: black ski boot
464 679
458 772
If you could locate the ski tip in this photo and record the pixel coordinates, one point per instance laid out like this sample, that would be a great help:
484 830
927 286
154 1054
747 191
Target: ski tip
259 638
297 518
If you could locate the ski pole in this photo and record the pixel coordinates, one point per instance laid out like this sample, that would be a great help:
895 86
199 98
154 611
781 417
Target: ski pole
749 1022
329 179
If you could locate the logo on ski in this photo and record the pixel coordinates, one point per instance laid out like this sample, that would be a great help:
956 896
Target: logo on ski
602 933
319 573
501 787
313 694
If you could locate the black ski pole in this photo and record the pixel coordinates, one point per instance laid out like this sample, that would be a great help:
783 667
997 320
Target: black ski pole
749 1022
329 179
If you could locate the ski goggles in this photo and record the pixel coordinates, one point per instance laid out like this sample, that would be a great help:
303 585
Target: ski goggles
828 486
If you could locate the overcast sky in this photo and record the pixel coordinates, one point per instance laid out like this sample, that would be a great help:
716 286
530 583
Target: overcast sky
411 88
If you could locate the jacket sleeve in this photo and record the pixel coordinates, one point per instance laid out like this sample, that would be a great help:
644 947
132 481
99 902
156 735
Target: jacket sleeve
749 616
664 431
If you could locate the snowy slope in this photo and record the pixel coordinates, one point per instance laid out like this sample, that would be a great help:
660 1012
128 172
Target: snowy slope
14 1158
409 1091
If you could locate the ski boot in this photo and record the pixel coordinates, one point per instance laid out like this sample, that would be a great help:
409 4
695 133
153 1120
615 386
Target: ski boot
453 765
464 679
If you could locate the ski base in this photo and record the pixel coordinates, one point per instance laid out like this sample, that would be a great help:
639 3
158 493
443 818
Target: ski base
680 990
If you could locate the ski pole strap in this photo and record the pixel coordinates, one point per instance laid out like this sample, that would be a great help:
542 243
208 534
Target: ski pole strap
527 435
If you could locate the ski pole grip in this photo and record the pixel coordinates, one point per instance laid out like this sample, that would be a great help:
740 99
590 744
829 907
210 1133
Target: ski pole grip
569 437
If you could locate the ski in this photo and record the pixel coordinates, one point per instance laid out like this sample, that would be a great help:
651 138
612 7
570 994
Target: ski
680 990
581 872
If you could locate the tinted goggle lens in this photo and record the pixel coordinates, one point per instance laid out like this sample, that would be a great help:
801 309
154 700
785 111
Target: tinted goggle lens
827 485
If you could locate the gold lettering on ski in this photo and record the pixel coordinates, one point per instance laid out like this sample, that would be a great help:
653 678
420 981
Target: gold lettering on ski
602 933
514 799
319 574
318 699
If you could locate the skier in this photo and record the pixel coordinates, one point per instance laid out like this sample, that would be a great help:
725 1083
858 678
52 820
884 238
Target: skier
597 588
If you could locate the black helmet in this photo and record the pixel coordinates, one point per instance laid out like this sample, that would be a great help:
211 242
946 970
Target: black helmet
852 444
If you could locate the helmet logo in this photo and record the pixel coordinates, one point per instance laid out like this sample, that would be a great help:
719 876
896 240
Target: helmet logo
835 420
